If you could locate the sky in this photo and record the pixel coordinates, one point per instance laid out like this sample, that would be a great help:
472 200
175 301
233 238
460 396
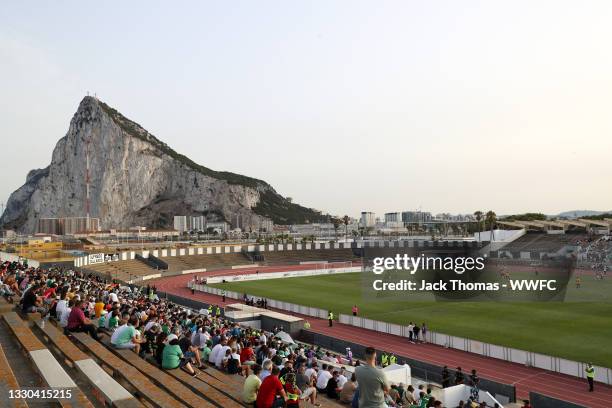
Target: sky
345 106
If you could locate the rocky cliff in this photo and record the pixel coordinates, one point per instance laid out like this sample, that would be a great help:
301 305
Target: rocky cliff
135 179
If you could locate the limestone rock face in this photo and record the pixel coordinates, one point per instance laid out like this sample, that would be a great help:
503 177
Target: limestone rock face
135 179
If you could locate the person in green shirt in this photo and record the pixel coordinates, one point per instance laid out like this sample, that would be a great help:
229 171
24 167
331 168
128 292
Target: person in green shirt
127 337
172 356
205 353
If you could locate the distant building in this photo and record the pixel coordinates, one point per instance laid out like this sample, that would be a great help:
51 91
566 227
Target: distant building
219 227
416 216
67 225
180 223
7 234
197 223
368 219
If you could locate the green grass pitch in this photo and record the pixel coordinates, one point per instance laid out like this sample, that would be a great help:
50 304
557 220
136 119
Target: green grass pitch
578 331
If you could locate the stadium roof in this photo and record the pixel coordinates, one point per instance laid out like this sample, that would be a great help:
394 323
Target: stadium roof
602 223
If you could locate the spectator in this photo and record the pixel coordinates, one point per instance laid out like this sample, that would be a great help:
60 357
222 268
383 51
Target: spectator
251 386
65 313
348 390
31 302
270 388
126 337
323 377
332 389
172 356
306 384
77 322
372 382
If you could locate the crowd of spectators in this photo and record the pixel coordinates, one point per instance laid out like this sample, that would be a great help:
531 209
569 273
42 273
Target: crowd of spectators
275 373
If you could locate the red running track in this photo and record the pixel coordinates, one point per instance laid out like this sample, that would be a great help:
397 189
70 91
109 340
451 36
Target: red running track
525 379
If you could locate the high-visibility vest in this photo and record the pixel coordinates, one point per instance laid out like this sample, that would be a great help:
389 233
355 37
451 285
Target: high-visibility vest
331 316
383 359
209 309
307 325
392 359
590 372
218 311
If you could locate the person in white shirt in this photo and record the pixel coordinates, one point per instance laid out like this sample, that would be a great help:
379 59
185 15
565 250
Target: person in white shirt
212 357
218 352
61 305
323 378
263 339
65 313
221 355
341 379
312 371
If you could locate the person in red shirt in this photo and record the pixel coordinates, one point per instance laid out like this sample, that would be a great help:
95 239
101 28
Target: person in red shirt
269 389
355 310
77 322
247 358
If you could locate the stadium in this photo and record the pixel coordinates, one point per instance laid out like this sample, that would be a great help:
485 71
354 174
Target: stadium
340 204
521 350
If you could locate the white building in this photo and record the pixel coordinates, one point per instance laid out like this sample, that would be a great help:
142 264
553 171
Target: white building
198 223
368 219
180 223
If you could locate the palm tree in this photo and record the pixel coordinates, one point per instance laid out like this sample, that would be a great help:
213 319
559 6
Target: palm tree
491 219
336 222
478 215
346 220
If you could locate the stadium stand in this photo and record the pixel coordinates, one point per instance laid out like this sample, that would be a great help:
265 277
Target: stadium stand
124 270
7 378
121 378
206 261
543 242
293 257
52 373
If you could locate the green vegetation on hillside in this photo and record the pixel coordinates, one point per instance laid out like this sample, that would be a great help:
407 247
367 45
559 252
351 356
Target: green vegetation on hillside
578 330
598 217
526 217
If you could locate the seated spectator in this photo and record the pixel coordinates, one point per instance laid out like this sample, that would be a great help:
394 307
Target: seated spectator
233 364
251 386
172 356
267 370
65 313
189 350
126 337
292 390
306 384
332 388
77 322
348 390
160 344
323 377
270 388
31 302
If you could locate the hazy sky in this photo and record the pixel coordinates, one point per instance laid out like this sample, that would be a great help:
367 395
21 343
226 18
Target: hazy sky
343 105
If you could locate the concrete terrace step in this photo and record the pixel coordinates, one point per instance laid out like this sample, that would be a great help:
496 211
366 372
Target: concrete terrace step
162 379
107 389
140 384
52 373
8 380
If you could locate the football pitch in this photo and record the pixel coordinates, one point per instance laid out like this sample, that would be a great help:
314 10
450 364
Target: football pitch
578 331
